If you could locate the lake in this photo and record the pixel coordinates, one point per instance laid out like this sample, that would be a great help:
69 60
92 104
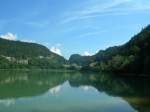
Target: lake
57 91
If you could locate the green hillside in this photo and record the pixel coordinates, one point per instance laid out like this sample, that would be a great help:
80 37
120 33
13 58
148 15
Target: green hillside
132 57
16 54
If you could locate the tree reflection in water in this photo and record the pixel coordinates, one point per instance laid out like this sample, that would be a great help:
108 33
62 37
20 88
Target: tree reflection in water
22 84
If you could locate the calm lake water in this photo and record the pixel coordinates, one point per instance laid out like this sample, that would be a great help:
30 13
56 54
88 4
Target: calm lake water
47 91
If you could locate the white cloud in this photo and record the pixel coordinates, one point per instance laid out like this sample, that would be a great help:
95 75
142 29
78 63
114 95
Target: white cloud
98 8
55 90
97 51
9 36
7 102
86 53
88 88
56 50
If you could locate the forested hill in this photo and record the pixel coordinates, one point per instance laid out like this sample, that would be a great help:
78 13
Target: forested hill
22 49
17 54
132 57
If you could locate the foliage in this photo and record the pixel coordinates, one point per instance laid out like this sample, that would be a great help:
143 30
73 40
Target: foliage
80 60
16 54
132 57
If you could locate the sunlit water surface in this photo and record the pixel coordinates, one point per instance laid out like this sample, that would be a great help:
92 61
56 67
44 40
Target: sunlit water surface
47 91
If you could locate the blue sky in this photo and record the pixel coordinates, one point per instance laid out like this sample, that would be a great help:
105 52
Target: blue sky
73 26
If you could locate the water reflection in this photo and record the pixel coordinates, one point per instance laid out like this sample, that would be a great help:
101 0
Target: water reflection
74 91
136 91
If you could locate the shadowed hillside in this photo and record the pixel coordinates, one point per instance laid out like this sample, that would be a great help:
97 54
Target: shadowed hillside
132 57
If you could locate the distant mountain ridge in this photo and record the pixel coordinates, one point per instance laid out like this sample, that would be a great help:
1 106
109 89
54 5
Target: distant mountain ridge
22 49
17 54
81 60
132 57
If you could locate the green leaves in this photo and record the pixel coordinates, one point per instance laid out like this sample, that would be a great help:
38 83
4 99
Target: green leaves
16 54
132 57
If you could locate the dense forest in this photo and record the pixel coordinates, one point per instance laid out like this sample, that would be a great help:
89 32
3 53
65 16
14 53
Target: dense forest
16 54
132 57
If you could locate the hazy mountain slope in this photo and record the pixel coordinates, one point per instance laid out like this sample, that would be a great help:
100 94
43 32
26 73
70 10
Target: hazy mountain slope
81 60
